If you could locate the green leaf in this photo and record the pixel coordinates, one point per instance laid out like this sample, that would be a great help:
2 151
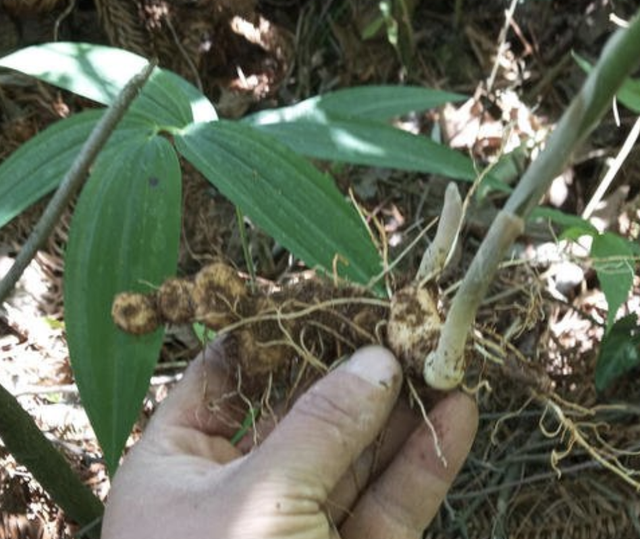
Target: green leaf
348 126
99 73
124 236
370 143
379 103
39 165
284 195
619 351
384 102
629 92
92 71
574 226
204 334
370 31
162 102
615 267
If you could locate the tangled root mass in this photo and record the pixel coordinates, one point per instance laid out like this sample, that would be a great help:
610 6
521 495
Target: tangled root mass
312 321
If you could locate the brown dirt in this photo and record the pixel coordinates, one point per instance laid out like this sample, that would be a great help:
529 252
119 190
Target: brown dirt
537 466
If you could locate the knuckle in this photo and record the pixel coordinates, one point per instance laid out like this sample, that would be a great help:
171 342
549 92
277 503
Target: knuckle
326 412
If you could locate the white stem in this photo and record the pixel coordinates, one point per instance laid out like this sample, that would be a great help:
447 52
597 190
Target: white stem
435 257
444 367
613 170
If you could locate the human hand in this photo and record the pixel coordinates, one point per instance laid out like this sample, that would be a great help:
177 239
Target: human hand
347 461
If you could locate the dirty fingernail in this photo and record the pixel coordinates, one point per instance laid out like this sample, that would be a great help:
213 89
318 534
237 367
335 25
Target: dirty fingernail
374 364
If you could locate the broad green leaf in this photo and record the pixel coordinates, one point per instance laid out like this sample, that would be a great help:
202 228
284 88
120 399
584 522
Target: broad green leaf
379 103
99 73
619 351
370 143
284 195
575 233
629 94
615 267
124 237
39 165
92 71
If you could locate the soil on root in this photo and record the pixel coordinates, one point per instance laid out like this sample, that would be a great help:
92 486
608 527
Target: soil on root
269 333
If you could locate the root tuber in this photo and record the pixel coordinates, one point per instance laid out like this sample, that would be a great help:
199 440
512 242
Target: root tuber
311 321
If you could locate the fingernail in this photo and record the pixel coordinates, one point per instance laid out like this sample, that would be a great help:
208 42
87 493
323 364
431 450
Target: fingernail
374 364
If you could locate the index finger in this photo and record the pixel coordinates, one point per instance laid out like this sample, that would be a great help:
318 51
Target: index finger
405 498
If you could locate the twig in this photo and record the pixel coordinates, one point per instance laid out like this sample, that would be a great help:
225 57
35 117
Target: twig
67 11
183 52
160 380
248 259
501 40
613 170
74 178
527 480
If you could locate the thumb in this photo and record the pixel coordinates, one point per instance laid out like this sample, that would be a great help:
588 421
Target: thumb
331 424
207 387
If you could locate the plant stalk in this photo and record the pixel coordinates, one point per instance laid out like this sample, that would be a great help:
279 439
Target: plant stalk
619 58
444 367
444 242
30 447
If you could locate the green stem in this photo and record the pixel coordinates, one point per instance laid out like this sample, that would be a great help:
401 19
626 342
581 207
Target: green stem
30 447
619 58
444 367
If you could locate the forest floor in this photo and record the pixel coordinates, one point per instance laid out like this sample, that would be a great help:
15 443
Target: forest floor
539 464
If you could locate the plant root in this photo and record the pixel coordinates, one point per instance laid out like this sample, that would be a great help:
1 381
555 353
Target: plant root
307 324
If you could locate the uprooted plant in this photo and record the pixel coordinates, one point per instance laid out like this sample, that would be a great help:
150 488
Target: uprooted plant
125 234
313 321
